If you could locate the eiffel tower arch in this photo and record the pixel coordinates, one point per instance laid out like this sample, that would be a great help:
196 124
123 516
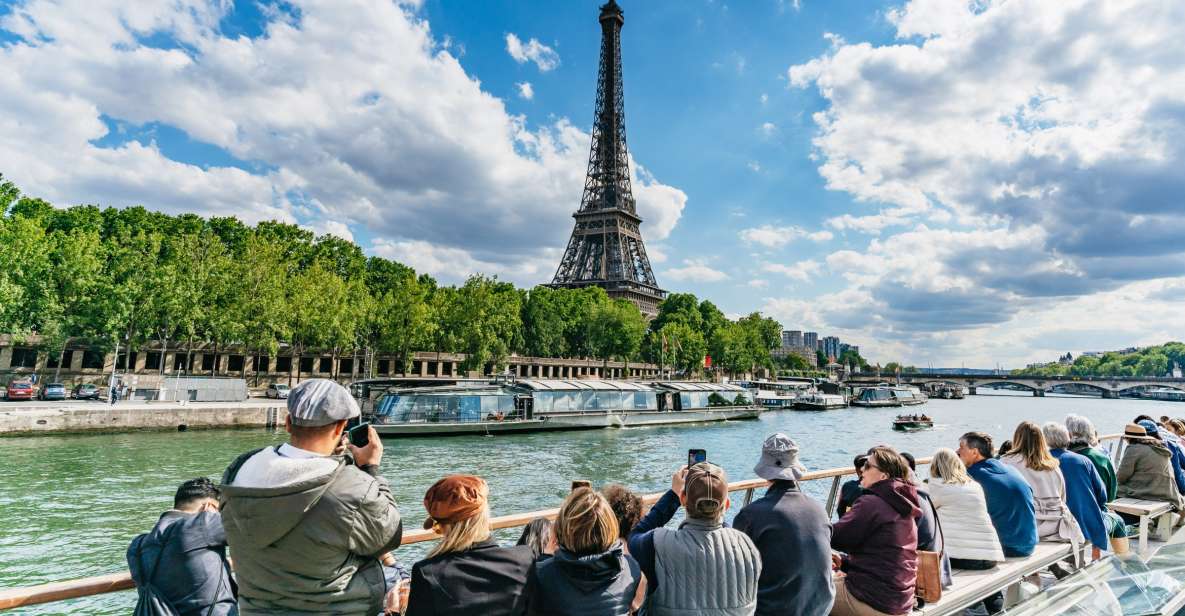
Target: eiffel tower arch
606 248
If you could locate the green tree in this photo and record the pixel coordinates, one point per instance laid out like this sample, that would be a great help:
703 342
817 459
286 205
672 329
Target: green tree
681 346
616 329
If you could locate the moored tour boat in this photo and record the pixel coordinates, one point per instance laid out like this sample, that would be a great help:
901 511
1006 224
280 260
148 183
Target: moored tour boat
819 401
884 395
532 405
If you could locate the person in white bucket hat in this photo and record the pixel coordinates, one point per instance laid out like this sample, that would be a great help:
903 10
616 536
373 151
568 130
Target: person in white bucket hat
793 535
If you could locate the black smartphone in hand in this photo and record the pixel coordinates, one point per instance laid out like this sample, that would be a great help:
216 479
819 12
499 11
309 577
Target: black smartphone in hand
695 456
360 434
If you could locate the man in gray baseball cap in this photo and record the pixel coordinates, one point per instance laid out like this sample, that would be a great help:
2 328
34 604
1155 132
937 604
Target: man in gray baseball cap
307 524
793 535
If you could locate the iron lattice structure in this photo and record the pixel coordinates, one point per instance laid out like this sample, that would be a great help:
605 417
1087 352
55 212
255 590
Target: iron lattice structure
606 248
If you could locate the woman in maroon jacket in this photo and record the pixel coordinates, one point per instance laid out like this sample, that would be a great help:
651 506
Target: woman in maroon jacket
880 539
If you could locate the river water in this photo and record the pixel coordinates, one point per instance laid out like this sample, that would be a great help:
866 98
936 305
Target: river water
69 505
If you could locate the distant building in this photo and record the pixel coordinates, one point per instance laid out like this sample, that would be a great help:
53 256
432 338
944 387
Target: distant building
810 340
830 346
808 355
792 338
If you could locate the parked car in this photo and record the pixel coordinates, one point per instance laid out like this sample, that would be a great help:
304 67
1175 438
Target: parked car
52 391
277 390
19 390
85 391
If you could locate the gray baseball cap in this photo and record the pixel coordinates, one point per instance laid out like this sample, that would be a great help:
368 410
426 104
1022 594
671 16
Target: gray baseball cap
779 459
320 402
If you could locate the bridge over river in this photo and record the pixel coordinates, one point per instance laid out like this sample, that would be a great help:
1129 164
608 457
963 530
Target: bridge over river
1108 386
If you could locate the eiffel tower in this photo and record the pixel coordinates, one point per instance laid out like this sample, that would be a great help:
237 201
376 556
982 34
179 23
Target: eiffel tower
606 247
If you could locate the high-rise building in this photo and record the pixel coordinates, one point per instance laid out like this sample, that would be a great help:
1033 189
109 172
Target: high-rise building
792 338
831 347
606 248
810 340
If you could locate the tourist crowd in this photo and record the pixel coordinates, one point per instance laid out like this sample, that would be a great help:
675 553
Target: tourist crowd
311 525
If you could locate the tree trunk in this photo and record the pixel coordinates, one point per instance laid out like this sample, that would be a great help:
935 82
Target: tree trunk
297 352
57 374
214 364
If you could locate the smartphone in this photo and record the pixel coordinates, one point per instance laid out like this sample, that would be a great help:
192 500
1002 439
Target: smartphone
360 434
581 483
695 456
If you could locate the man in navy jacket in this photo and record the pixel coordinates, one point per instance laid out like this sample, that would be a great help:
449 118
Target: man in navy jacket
1009 497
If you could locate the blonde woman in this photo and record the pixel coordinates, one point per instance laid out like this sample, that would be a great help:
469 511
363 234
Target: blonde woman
590 574
971 539
467 573
1030 456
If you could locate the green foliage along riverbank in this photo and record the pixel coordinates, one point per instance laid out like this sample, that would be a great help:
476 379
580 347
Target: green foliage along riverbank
129 276
1148 361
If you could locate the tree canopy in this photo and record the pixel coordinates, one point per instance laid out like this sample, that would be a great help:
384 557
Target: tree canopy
123 277
1148 361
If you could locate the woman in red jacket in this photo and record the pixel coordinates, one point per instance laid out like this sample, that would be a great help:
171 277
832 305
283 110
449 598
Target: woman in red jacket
879 539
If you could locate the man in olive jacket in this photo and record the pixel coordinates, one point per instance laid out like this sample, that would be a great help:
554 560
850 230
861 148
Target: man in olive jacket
305 525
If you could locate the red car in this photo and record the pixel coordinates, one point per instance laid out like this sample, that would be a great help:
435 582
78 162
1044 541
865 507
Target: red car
20 390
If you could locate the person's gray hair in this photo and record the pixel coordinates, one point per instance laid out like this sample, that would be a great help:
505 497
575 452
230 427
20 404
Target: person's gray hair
1080 427
1056 435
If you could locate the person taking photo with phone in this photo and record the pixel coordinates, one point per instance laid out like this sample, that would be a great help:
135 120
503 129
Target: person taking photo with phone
306 524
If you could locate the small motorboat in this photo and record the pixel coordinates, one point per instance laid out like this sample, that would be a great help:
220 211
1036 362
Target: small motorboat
912 423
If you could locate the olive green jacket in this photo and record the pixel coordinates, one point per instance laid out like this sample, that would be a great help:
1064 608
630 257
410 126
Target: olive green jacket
1146 473
308 544
1102 464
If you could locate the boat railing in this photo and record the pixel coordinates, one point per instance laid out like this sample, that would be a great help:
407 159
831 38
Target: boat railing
114 582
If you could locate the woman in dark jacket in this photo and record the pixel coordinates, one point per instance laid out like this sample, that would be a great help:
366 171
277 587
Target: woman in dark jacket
467 574
590 573
879 536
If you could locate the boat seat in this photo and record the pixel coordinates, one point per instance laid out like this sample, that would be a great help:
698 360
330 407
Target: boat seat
1147 510
970 587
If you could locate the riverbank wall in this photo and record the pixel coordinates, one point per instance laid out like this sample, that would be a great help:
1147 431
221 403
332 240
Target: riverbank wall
79 418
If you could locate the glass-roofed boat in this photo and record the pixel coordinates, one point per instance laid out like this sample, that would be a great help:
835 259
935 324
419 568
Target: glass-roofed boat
528 405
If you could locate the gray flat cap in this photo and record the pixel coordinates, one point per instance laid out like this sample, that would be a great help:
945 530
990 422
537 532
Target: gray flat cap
320 402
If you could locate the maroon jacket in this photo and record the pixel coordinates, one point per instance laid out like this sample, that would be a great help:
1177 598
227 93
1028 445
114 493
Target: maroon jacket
880 537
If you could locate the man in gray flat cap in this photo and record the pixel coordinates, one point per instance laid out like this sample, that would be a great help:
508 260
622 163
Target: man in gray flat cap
305 523
793 535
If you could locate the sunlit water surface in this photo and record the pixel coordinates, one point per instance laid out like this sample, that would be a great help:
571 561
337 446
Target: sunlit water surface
69 505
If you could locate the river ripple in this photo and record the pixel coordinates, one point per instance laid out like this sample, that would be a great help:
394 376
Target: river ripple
69 505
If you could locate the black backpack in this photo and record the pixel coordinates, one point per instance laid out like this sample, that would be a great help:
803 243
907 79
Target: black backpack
151 601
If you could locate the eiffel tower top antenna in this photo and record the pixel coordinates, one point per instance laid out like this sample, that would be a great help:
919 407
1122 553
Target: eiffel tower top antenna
606 248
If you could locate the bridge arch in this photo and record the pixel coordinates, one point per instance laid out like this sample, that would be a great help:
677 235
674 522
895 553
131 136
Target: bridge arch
1010 384
1175 386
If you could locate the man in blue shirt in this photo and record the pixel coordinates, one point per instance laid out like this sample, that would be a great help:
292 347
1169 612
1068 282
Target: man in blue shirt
1009 497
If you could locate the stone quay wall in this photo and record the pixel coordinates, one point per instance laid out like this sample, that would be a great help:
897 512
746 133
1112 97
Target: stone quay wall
32 418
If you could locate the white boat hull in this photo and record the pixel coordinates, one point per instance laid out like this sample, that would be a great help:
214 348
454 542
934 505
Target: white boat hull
568 421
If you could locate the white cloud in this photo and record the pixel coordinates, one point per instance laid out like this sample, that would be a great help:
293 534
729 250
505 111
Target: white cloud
770 236
695 270
1048 135
754 166
525 91
764 98
382 129
757 283
543 56
768 129
801 271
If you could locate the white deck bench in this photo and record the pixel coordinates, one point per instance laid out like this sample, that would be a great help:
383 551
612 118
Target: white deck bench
969 587
1147 510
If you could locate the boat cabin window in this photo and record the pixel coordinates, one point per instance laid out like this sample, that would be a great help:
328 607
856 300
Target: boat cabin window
443 408
576 401
705 399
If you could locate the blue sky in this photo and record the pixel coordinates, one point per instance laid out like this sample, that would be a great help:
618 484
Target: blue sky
939 182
